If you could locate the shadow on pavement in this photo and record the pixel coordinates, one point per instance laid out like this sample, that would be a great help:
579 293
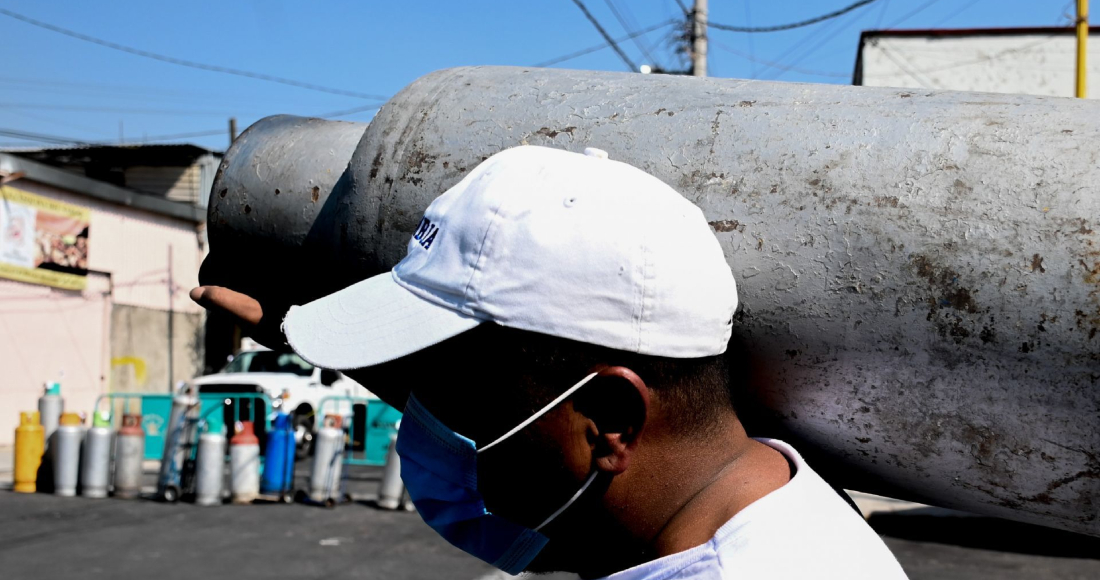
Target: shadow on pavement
985 534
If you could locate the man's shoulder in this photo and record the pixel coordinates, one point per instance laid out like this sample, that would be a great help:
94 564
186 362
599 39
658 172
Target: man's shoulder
802 527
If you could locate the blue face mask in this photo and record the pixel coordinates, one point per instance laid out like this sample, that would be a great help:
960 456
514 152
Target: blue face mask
439 468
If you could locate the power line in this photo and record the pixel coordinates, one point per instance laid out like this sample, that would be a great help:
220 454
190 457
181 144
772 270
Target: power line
812 34
600 46
955 13
606 36
57 122
41 138
346 112
626 26
882 13
175 136
901 66
792 25
804 71
752 48
129 110
960 64
56 140
813 49
918 10
121 92
186 63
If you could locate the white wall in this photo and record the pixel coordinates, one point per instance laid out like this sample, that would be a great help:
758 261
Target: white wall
1028 64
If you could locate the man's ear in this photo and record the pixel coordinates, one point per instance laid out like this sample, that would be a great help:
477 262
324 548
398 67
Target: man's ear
617 405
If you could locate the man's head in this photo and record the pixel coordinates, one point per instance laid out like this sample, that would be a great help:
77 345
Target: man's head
630 424
540 269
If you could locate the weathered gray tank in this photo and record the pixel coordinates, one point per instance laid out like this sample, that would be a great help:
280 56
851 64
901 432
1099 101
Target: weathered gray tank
919 270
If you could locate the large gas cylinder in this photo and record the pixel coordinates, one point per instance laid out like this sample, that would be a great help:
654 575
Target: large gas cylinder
66 454
179 435
328 461
210 467
391 489
30 443
95 466
303 167
50 407
129 456
278 476
919 271
244 463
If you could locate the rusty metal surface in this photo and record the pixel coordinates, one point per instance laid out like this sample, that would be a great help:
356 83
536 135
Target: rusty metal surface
277 176
920 271
272 206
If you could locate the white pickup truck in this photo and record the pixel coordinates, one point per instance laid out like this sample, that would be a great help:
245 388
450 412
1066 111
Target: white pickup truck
293 385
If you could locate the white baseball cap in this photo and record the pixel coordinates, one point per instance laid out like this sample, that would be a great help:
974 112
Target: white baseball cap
566 244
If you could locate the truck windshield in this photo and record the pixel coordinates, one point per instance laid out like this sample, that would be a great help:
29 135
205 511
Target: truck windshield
265 361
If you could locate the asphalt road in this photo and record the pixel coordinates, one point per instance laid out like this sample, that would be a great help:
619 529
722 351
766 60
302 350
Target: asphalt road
43 537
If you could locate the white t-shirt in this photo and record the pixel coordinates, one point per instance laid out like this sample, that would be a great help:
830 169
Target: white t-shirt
802 530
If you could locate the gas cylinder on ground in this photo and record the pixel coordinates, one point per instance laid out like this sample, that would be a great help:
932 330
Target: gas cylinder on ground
95 468
29 446
66 454
244 463
392 489
328 459
129 455
50 407
210 467
278 476
179 433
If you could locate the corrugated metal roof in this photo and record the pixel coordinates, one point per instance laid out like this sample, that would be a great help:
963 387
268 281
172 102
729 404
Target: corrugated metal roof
99 189
170 155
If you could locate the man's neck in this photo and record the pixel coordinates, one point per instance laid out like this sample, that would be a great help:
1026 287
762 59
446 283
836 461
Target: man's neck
733 472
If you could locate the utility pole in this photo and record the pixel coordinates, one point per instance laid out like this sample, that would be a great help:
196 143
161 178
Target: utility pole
1081 89
232 130
699 39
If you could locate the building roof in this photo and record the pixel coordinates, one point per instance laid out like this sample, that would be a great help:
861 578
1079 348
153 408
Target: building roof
34 171
869 35
173 155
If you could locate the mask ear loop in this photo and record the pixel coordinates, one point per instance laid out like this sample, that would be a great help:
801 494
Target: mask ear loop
576 496
540 413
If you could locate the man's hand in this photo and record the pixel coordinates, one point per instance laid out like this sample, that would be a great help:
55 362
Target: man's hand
262 323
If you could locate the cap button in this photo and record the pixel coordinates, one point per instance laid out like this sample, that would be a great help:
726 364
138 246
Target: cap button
597 153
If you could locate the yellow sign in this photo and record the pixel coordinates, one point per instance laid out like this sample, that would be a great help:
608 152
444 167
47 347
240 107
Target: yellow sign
42 240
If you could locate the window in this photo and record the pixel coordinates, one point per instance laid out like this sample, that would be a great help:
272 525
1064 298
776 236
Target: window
266 361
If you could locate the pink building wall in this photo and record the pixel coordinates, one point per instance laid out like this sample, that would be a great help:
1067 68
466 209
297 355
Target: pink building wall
45 331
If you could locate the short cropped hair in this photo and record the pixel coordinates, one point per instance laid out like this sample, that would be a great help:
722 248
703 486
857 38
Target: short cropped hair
697 390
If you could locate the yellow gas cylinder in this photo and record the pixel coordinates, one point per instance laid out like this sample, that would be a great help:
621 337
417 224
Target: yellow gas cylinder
29 443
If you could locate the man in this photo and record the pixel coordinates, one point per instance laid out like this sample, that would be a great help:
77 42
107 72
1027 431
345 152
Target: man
556 337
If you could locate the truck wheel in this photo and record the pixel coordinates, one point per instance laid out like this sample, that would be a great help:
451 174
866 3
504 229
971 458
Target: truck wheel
303 433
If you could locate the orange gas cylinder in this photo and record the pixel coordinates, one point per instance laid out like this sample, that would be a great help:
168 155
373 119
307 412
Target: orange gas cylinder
244 463
30 442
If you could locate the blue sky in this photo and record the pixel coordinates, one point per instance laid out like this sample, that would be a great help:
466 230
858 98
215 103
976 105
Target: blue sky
63 87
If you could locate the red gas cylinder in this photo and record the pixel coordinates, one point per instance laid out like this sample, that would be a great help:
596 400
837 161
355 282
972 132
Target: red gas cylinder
244 463
129 455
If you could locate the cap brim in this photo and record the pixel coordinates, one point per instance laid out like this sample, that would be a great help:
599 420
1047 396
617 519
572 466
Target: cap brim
369 323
